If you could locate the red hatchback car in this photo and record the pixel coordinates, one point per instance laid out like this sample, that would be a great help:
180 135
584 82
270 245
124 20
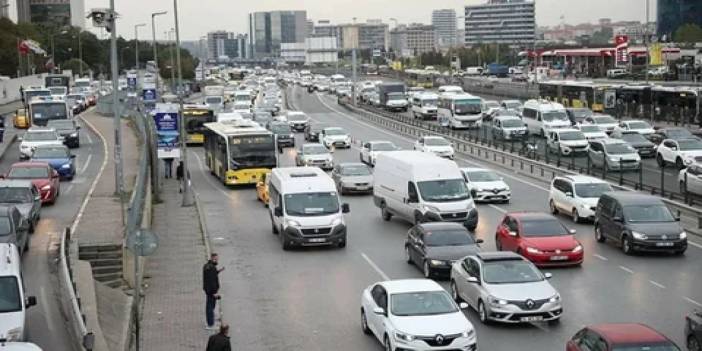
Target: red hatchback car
42 175
540 238
620 337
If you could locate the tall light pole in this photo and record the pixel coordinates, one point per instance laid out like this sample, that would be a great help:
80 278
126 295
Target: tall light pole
117 152
153 43
187 198
203 58
172 47
80 52
136 45
53 46
646 41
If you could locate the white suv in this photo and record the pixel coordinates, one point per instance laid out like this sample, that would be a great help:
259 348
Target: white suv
576 196
36 137
436 145
682 153
15 303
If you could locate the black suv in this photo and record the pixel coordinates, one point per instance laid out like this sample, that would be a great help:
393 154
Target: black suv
693 331
283 134
638 222
312 131
68 130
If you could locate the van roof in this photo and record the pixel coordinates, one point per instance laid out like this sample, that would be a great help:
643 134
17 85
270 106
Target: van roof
633 198
422 165
303 180
9 260
543 105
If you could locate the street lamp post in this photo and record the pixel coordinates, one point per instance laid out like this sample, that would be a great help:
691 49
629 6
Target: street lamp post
153 43
136 45
80 53
53 46
187 198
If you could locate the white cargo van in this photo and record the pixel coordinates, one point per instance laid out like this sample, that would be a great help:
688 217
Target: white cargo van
450 89
420 187
13 302
305 208
424 105
541 116
459 111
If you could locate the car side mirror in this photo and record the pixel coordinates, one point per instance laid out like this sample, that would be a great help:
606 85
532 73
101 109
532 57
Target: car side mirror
412 199
73 156
677 218
37 198
572 231
463 305
379 311
473 193
512 233
479 241
548 275
473 280
19 138
345 208
77 127
278 211
31 301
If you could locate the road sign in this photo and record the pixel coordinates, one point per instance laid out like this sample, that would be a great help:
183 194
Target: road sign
377 53
149 95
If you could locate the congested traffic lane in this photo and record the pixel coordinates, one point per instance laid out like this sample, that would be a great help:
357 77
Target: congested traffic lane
610 286
46 325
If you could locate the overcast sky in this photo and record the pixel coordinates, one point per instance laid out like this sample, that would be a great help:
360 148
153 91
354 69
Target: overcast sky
197 17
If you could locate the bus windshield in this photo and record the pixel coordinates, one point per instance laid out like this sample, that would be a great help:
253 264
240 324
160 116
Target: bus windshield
194 120
467 107
249 151
43 112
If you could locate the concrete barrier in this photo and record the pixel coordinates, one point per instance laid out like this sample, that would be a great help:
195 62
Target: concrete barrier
10 89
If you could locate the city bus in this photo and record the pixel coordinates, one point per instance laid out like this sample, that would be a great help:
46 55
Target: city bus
579 94
42 109
195 116
239 152
32 92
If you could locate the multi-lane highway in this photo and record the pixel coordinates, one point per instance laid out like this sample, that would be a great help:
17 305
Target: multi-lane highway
46 323
309 299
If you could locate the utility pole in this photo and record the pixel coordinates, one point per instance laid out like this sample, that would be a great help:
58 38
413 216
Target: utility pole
646 41
353 66
187 198
136 46
153 43
172 60
80 52
117 152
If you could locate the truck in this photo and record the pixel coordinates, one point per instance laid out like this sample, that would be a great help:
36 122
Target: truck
392 96
496 69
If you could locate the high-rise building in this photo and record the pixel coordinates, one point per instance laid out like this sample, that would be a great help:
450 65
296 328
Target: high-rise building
226 44
373 34
444 22
500 21
672 14
52 12
412 40
267 30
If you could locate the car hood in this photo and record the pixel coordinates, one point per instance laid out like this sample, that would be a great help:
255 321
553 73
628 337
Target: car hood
40 182
451 253
357 179
54 162
453 205
512 129
691 153
317 157
670 229
589 201
519 292
10 321
574 142
315 221
606 125
444 324
486 186
336 137
641 144
24 209
439 148
551 243
595 135
644 131
626 157
39 143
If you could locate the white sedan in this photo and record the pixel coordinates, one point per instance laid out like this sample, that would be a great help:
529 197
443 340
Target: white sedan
487 184
415 314
371 149
436 145
693 176
635 125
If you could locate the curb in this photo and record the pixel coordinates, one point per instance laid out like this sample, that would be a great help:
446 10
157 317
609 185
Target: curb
12 139
203 223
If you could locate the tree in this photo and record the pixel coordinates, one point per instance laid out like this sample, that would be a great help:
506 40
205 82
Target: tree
688 33
602 36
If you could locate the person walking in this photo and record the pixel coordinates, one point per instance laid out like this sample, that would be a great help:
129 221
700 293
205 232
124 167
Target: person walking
220 341
168 171
210 284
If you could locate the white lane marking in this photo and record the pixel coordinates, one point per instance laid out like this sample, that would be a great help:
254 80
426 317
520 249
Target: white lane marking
601 257
86 164
498 208
626 270
105 158
47 308
207 178
540 326
699 246
68 190
375 267
657 284
692 301
90 139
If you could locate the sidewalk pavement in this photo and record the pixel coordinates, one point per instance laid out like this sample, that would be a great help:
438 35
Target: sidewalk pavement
174 307
102 221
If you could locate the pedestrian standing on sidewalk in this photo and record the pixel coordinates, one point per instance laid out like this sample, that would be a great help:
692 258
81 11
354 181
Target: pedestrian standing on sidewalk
220 341
22 94
210 284
168 171
179 176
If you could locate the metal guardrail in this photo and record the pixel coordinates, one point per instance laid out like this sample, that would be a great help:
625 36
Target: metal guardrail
471 145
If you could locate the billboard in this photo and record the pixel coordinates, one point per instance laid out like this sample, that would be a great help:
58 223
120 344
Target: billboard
166 119
655 52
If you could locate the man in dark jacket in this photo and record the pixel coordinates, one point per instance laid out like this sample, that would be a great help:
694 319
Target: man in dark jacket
220 341
210 284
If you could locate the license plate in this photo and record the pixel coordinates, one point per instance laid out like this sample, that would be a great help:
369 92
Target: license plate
531 319
559 258
664 244
317 240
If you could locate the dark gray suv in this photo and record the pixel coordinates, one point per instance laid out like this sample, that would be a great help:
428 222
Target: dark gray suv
24 195
638 223
14 228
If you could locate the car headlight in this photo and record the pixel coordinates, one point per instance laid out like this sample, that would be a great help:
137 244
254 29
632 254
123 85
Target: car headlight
496 302
437 262
532 250
683 235
336 221
578 248
639 236
74 135
14 334
404 337
67 165
468 333
428 208
555 298
292 223
46 187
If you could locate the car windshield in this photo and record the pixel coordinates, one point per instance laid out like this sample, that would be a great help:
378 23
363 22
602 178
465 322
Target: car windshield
444 190
648 213
436 142
280 129
40 136
355 170
334 131
28 172
664 346
554 116
384 147
574 135
448 238
58 124
9 294
430 102
542 227
467 106
50 152
213 100
604 120
510 272
49 110
619 149
422 303
639 125
314 150
483 176
590 129
634 138
512 123
677 133
293 117
591 190
311 204
15 195
690 144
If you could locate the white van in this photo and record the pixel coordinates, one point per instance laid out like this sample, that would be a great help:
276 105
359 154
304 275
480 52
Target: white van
424 105
450 89
421 187
541 116
305 208
13 302
459 111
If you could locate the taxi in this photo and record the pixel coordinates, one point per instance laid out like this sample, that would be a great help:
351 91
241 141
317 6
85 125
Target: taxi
262 190
21 120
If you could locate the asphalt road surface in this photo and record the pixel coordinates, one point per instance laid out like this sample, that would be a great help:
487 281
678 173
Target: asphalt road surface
308 299
46 325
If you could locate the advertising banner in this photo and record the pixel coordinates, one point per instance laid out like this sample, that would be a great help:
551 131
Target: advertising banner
622 47
166 121
656 54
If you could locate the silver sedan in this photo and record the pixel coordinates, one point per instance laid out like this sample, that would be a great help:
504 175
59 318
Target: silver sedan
353 177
